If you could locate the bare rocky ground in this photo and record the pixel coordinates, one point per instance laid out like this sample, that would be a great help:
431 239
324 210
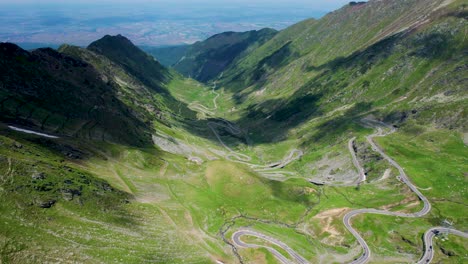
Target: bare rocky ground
178 147
334 169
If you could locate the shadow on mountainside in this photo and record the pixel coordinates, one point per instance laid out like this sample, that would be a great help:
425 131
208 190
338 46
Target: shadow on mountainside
330 131
144 67
259 75
288 193
48 91
348 81
271 121
71 93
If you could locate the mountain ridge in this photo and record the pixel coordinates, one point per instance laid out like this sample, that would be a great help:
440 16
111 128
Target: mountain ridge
363 111
69 92
122 51
367 23
206 60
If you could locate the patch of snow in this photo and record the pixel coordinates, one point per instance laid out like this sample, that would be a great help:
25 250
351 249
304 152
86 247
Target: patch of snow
31 132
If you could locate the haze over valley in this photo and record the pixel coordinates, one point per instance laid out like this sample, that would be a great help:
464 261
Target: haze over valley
148 23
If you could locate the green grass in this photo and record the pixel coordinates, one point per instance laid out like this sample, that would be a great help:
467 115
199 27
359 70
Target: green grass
435 162
450 249
141 204
199 200
100 223
190 91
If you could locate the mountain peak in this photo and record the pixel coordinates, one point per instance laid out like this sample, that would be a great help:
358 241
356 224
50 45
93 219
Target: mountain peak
10 49
206 60
112 42
117 37
121 50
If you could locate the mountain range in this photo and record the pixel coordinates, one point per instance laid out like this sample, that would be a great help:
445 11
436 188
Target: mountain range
247 147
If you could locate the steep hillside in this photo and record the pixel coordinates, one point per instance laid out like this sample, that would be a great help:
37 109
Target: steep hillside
88 121
71 200
167 56
50 91
316 42
121 50
144 83
207 59
339 140
398 75
111 91
145 103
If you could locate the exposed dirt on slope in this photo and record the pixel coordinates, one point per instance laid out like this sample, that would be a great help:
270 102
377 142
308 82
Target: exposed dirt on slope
326 219
408 201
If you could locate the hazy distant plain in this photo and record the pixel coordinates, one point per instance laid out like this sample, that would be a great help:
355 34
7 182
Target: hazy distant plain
156 23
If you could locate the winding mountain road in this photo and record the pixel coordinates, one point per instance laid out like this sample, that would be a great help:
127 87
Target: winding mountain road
269 170
203 109
366 255
245 232
364 258
428 237
428 255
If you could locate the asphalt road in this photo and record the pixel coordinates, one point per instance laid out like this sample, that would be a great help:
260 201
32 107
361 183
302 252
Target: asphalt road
245 232
428 237
364 258
270 171
203 109
295 154
428 254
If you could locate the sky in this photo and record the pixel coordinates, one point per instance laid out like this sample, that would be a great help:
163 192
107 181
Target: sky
145 22
314 3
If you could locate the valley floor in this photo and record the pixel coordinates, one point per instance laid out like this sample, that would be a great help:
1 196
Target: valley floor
208 199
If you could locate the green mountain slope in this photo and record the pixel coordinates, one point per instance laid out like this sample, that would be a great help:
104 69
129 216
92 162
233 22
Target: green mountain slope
167 56
138 63
397 77
53 92
144 83
271 147
100 104
111 91
338 34
207 59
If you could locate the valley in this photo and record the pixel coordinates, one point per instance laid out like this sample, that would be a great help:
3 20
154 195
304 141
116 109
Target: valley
336 140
